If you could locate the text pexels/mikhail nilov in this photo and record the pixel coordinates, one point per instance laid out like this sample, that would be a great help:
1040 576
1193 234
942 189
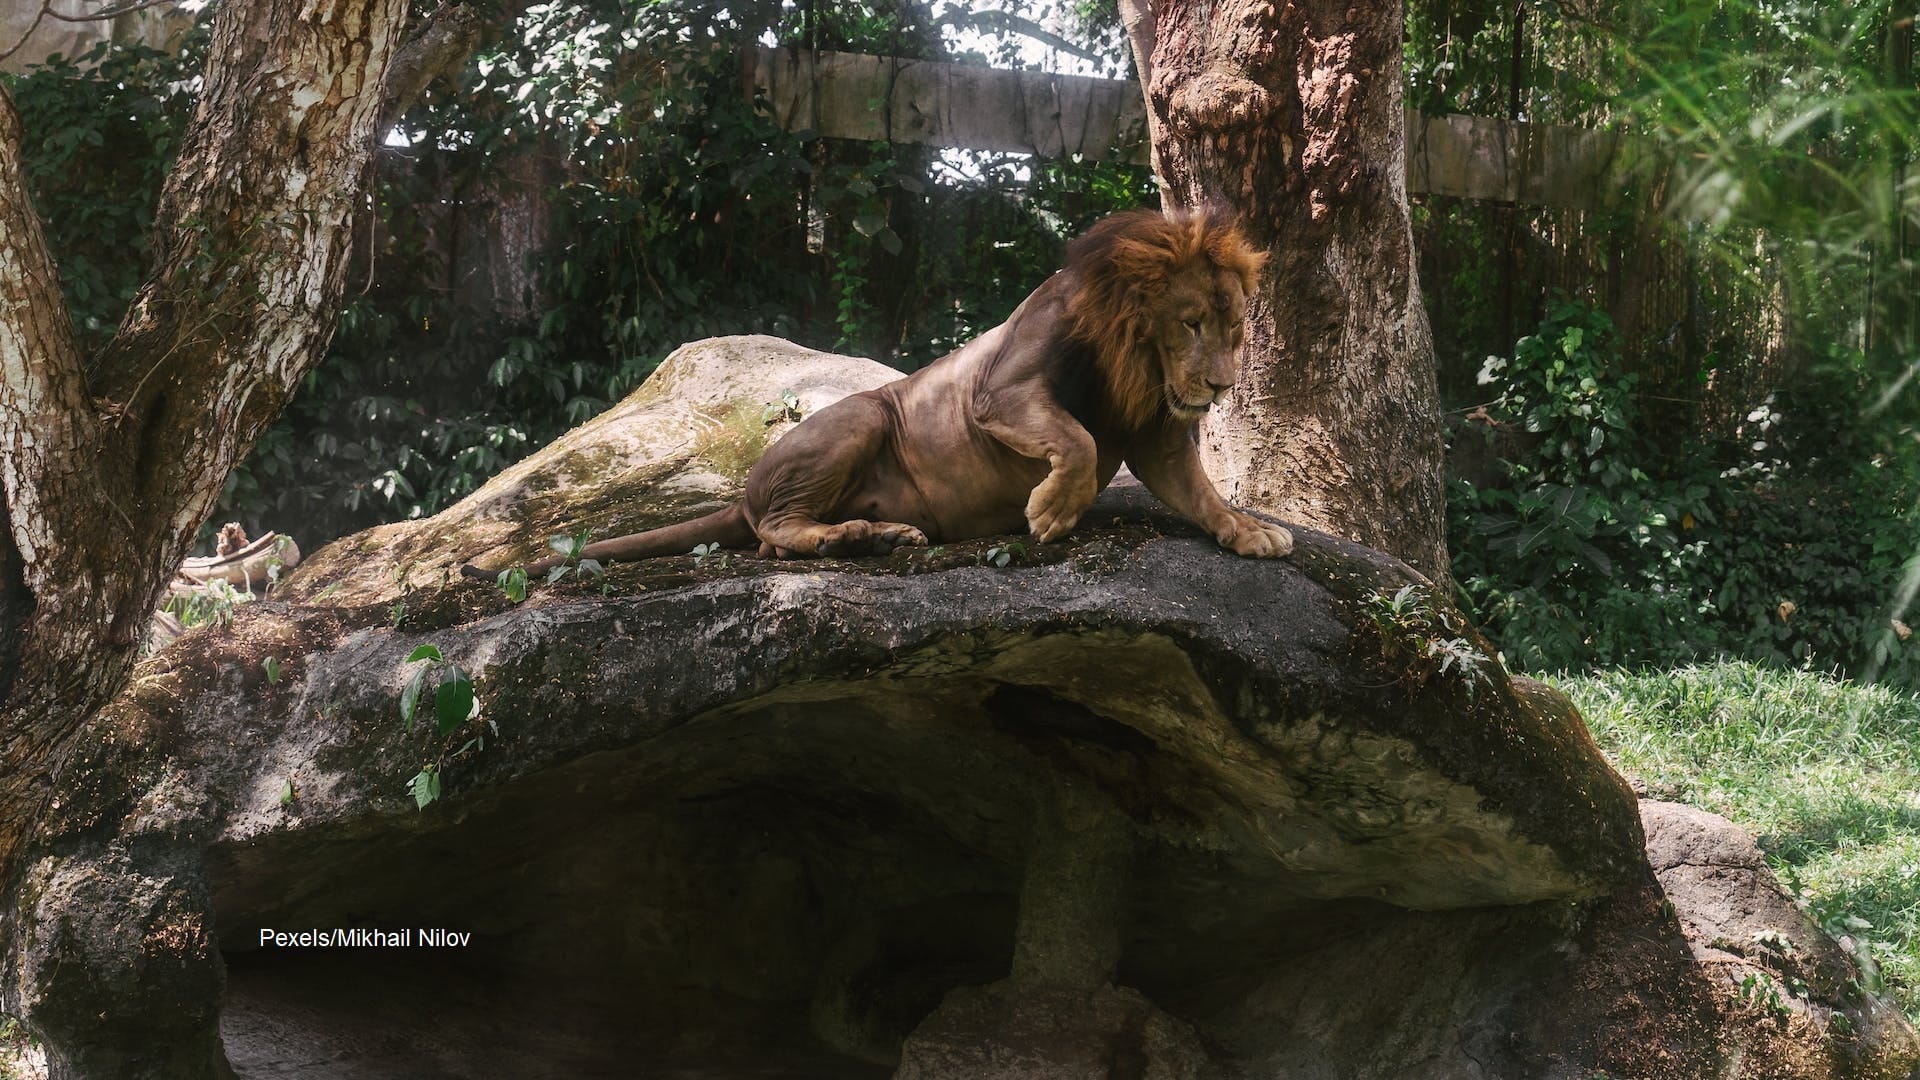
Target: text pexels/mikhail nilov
412 937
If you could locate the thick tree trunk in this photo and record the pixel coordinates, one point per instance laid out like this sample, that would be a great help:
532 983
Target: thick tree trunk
109 464
1289 113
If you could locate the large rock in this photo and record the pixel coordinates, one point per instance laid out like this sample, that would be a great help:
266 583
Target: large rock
1124 806
676 448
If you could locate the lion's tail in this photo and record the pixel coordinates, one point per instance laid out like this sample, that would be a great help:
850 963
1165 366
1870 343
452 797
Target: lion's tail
727 527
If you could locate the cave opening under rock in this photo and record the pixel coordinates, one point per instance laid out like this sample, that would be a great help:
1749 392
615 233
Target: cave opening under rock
787 886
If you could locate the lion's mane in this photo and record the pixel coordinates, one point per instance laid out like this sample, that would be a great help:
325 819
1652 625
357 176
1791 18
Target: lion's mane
1121 267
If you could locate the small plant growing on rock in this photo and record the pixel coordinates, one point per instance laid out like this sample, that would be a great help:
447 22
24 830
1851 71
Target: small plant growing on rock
1002 554
702 552
453 704
453 700
1759 990
1410 629
212 603
403 580
787 408
569 548
513 582
277 561
425 786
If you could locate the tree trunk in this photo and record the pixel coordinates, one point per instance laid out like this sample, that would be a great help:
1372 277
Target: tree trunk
109 463
1290 115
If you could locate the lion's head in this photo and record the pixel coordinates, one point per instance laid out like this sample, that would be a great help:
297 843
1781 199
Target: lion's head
1162 300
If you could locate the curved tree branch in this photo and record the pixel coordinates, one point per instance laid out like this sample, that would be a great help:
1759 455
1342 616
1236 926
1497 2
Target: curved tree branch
1007 22
46 425
104 16
439 46
46 12
1138 18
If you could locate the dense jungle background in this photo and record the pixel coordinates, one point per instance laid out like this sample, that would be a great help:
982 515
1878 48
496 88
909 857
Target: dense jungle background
1679 420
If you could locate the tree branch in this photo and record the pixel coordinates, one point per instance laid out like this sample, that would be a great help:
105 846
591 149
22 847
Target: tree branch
45 6
104 16
1138 17
47 427
1010 23
46 12
439 46
252 236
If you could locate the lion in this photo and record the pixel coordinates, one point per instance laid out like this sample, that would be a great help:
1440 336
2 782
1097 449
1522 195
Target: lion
1115 358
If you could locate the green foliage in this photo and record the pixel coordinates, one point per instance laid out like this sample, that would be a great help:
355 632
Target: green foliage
1564 390
1000 555
453 700
1762 992
101 130
702 552
1560 66
787 408
15 1044
1821 771
1585 546
211 604
425 786
1408 627
1773 106
513 582
454 704
570 549
1605 535
672 210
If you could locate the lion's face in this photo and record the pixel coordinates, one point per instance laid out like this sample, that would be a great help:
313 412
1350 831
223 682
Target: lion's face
1196 332
1162 300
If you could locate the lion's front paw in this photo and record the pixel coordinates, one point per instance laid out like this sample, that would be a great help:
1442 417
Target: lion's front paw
1248 535
1056 505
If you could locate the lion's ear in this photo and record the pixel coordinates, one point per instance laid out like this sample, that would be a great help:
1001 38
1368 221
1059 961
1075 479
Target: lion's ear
1229 250
1142 264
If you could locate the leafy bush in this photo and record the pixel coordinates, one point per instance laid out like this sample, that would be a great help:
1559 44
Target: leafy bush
101 130
1585 547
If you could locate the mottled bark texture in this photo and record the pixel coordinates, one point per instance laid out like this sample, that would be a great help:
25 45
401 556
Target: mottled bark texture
1288 112
109 463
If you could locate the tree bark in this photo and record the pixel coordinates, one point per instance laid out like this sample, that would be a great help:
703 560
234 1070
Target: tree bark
1289 114
109 463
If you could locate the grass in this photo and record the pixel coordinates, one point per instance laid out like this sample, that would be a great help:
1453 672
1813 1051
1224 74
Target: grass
18 1061
1825 773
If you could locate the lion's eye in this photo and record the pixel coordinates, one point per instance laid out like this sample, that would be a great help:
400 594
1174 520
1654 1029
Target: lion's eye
1193 325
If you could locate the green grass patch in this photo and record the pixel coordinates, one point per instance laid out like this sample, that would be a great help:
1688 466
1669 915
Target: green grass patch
19 1059
1825 773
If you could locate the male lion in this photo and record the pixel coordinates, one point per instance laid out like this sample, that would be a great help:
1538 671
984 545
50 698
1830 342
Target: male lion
1115 358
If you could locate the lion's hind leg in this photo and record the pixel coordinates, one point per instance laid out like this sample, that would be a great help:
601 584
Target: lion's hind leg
797 536
830 467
